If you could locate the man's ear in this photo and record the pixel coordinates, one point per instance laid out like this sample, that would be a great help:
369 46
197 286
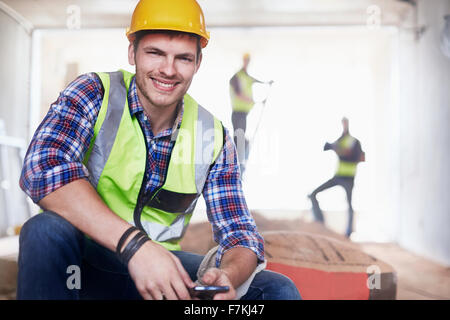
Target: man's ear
199 61
131 57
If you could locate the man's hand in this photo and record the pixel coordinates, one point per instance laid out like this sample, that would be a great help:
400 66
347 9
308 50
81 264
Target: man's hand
327 146
158 274
218 277
236 266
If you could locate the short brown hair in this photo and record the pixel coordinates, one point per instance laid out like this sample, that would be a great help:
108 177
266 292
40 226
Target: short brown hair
142 33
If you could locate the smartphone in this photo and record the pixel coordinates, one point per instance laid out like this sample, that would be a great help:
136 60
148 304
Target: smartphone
207 292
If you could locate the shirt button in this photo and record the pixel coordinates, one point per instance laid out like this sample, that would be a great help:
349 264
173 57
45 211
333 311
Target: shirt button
145 118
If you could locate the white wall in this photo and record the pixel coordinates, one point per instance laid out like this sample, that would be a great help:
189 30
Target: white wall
320 75
14 101
88 50
425 137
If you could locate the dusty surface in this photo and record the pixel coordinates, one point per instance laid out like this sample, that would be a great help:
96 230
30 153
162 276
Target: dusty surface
8 276
418 278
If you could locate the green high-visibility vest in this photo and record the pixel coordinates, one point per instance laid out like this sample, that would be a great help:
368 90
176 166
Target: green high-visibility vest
246 85
117 162
346 168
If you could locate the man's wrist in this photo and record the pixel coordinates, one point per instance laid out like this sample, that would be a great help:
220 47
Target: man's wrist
231 273
124 239
130 242
237 264
134 245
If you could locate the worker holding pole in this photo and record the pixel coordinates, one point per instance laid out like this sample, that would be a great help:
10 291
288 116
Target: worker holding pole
349 151
242 102
117 166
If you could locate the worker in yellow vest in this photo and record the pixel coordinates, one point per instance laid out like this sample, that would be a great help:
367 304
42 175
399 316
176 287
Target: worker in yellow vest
117 166
242 102
349 152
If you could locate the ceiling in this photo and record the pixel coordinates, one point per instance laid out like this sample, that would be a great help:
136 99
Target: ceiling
54 14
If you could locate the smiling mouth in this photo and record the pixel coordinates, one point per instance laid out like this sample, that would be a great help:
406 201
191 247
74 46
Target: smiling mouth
164 85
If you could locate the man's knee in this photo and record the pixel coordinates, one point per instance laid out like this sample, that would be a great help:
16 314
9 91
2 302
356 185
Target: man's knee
48 227
275 286
288 289
48 245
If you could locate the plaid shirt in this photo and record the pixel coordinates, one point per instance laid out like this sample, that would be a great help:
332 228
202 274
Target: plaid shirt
56 152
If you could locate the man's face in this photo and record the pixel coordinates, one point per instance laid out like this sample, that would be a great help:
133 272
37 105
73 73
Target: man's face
165 66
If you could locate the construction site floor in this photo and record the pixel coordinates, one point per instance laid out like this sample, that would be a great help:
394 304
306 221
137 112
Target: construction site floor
418 278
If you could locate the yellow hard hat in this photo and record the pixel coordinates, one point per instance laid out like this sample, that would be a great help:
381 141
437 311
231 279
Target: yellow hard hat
176 15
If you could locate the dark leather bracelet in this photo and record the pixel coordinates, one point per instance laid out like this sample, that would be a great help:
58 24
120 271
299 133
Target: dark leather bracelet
129 247
124 237
131 250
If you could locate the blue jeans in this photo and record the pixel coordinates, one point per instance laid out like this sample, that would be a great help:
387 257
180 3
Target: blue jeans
345 182
50 245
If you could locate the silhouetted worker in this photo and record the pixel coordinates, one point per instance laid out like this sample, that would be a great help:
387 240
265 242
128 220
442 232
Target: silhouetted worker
349 151
241 93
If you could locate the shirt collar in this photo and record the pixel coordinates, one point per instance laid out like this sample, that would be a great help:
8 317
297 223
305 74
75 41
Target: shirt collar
136 107
133 101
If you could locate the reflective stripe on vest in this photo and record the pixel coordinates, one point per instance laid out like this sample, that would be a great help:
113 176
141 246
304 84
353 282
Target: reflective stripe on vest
246 86
117 161
106 134
346 169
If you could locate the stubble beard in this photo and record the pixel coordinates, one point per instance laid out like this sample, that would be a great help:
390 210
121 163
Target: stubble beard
140 83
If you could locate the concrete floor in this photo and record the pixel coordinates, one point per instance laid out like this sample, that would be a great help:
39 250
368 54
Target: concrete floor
418 278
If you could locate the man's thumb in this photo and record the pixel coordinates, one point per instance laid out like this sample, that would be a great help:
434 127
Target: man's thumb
210 276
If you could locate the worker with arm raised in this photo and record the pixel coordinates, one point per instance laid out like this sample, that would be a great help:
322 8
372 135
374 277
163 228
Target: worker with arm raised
350 153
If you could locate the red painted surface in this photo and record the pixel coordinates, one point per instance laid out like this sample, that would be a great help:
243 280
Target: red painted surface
315 284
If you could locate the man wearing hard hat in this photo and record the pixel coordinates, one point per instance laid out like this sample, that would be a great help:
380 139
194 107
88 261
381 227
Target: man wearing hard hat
117 166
